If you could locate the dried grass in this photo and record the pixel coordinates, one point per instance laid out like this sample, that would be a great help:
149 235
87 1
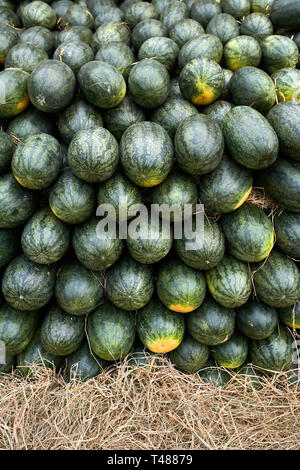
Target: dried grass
147 409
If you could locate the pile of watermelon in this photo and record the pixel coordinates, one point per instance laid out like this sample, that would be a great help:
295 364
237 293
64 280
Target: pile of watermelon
163 102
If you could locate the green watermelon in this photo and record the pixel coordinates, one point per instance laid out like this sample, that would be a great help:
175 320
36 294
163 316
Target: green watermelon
287 229
61 6
8 38
140 357
38 13
224 27
249 138
10 361
285 119
273 353
287 84
101 84
228 74
139 11
146 153
17 204
189 356
107 15
211 323
199 145
241 51
204 10
13 82
112 31
256 320
97 6
278 52
261 6
147 29
117 54
277 280
185 30
82 365
218 110
257 25
77 15
9 242
173 13
227 187
129 284
74 33
285 14
164 49
6 151
159 5
71 199
171 113
38 36
205 46
45 238
25 56
230 282
17 327
253 378
37 161
74 54
77 289
111 332
119 118
149 83
31 122
290 315
214 376
232 353
237 8
27 285
8 17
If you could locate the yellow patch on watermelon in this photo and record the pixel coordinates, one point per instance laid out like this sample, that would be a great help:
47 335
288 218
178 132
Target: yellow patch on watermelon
206 94
53 210
244 198
229 366
269 250
291 325
19 181
150 183
163 345
23 104
181 308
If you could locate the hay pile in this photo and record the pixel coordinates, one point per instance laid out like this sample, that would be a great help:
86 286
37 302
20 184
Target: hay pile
145 409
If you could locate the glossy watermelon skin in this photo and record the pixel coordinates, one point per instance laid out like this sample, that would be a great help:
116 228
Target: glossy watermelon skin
282 183
232 353
160 329
119 118
171 113
277 281
164 49
180 288
285 119
201 81
71 199
251 86
287 229
173 13
38 36
199 145
61 333
117 54
6 151
146 153
249 138
256 320
227 187
218 110
249 233
74 33
78 290
224 27
37 161
93 154
77 15
210 246
139 11
185 30
204 11
31 122
112 31
111 332
45 238
287 84
14 82
74 54
129 284
9 242
8 38
214 376
82 365
51 86
285 14
17 204
257 25
230 282
25 56
27 285
149 83
211 323
290 315
190 356
273 353
17 327
38 13
278 52
205 46
242 51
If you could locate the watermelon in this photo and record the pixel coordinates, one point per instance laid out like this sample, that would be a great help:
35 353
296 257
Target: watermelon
6 151
117 54
83 365
273 353
241 51
277 281
201 81
207 247
17 204
25 56
215 376
38 13
159 329
8 17
10 361
175 191
129 284
9 242
257 25
205 46
77 116
253 378
149 83
13 83
173 13
227 187
45 238
251 86
287 229
261 6
119 118
17 327
285 119
227 77
211 323
230 282
290 315
31 122
51 86
139 11
278 52
77 15
120 193
112 31
8 38
77 289
256 320
174 88
93 154
189 356
37 161
237 8
232 353
61 6
171 113
147 29
74 33
101 84
97 6
282 183
38 36
224 27
204 10
159 5
140 357
109 14
146 153
179 287
249 233
27 285
10 4
185 30
249 138
165 51
74 54
285 14
287 84
218 110
199 145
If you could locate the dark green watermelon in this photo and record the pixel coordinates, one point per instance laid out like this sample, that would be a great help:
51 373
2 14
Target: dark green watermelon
287 84
237 8
117 54
9 17
257 25
204 10
147 29
111 332
189 356
139 11
285 14
112 31
109 14
287 229
228 74
77 15
82 365
8 38
256 320
218 110
25 56
38 36
205 46
14 82
185 30
215 376
290 315
278 52
74 33
224 27
119 118
31 122
27 285
173 13
7 149
285 119
9 242
232 353
74 54
164 49
171 113
241 51
38 13
261 6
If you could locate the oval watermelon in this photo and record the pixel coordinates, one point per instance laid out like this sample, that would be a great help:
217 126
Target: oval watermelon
119 118
287 229
256 320
285 119
290 315
233 353
224 27
13 82
189 356
82 365
241 51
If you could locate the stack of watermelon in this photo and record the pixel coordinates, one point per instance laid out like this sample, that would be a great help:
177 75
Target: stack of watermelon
161 102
